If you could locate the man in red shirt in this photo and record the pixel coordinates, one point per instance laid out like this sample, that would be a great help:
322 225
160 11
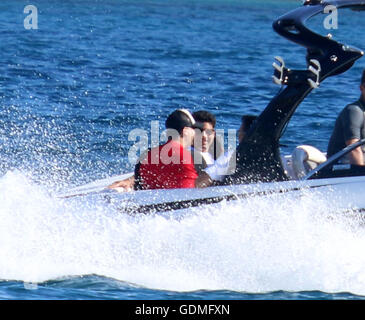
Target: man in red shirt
170 165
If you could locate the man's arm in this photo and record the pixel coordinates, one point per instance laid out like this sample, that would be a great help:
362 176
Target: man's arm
352 122
126 184
203 180
215 172
356 155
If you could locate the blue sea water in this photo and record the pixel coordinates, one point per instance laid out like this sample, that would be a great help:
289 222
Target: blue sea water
72 90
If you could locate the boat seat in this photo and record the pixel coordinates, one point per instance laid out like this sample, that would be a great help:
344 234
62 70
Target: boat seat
305 158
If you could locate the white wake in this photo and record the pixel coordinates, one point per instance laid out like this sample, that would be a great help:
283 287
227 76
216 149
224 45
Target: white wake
256 246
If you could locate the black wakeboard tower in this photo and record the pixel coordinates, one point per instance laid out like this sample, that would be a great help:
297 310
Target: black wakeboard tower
258 155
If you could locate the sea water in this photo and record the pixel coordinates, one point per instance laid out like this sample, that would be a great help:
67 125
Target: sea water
71 91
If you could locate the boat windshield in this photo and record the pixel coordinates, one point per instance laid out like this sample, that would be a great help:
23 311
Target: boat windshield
339 165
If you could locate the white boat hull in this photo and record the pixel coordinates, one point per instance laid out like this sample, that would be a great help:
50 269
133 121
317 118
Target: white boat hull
346 192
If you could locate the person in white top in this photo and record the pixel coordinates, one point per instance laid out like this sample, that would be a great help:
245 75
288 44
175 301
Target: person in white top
206 148
220 168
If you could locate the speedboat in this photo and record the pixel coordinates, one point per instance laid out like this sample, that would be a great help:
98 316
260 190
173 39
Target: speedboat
261 170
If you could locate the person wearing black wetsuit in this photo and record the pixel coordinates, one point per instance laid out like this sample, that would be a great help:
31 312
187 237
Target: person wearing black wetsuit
350 128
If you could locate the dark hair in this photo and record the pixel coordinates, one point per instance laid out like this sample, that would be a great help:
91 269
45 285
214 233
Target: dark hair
247 121
363 77
179 119
204 116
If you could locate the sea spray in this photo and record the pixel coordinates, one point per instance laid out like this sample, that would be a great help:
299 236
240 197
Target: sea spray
292 243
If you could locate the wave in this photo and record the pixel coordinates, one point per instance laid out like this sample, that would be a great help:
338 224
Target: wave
256 246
